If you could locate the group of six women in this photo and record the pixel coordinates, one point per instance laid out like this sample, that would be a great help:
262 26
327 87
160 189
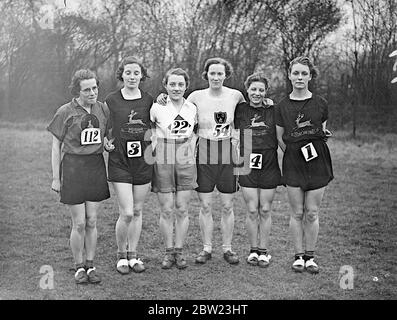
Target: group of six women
171 146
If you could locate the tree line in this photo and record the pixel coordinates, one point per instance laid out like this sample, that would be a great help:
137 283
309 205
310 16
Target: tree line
42 45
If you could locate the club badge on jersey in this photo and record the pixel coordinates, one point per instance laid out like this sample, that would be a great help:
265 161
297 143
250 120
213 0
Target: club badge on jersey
91 134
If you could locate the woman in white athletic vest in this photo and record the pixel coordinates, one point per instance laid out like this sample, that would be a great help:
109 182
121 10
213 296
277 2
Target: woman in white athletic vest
175 167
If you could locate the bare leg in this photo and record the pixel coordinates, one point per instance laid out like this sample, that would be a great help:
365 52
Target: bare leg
166 201
296 198
77 234
182 217
91 232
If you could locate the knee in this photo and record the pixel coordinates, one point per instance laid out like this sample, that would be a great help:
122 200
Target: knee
205 208
126 215
166 214
252 213
79 227
264 212
181 213
91 223
297 214
137 213
227 210
311 214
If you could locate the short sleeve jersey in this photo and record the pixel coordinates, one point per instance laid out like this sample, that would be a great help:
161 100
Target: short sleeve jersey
130 119
258 123
302 119
79 131
216 114
172 124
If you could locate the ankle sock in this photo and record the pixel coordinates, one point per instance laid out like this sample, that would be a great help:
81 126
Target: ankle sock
89 264
254 250
299 255
121 255
308 255
79 265
262 251
226 248
131 255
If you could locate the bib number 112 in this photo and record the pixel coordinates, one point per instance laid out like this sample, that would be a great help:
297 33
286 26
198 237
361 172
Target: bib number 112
90 136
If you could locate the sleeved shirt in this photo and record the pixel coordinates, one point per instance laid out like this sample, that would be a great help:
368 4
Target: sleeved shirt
256 125
130 119
79 131
172 124
302 119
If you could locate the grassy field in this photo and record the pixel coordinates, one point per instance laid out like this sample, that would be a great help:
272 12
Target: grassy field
357 229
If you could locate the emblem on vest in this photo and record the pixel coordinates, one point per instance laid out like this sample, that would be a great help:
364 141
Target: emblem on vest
220 117
299 124
133 128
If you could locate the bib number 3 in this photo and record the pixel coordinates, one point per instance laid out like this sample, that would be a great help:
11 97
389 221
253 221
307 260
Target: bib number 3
90 136
255 161
309 152
134 149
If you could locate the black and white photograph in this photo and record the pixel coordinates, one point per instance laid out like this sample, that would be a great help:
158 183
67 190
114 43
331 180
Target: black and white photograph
198 156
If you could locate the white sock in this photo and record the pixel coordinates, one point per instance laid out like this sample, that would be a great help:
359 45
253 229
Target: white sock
208 248
226 248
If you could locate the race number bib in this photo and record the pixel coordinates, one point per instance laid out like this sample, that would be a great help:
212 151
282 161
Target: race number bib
90 136
134 149
179 127
255 161
309 152
222 131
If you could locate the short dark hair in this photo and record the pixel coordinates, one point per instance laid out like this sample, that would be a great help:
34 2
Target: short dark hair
256 77
80 75
178 72
307 62
217 60
130 60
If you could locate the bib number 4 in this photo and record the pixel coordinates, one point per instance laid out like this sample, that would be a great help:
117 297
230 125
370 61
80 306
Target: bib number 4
309 152
134 149
255 161
90 136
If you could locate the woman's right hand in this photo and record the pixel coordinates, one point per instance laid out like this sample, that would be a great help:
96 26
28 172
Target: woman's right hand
56 185
108 145
162 99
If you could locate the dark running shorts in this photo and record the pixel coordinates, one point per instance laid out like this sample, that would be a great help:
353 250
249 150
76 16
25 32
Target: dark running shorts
308 175
267 177
136 170
215 166
83 179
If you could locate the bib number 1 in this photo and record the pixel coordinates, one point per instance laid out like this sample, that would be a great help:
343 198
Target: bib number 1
90 136
134 149
309 152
